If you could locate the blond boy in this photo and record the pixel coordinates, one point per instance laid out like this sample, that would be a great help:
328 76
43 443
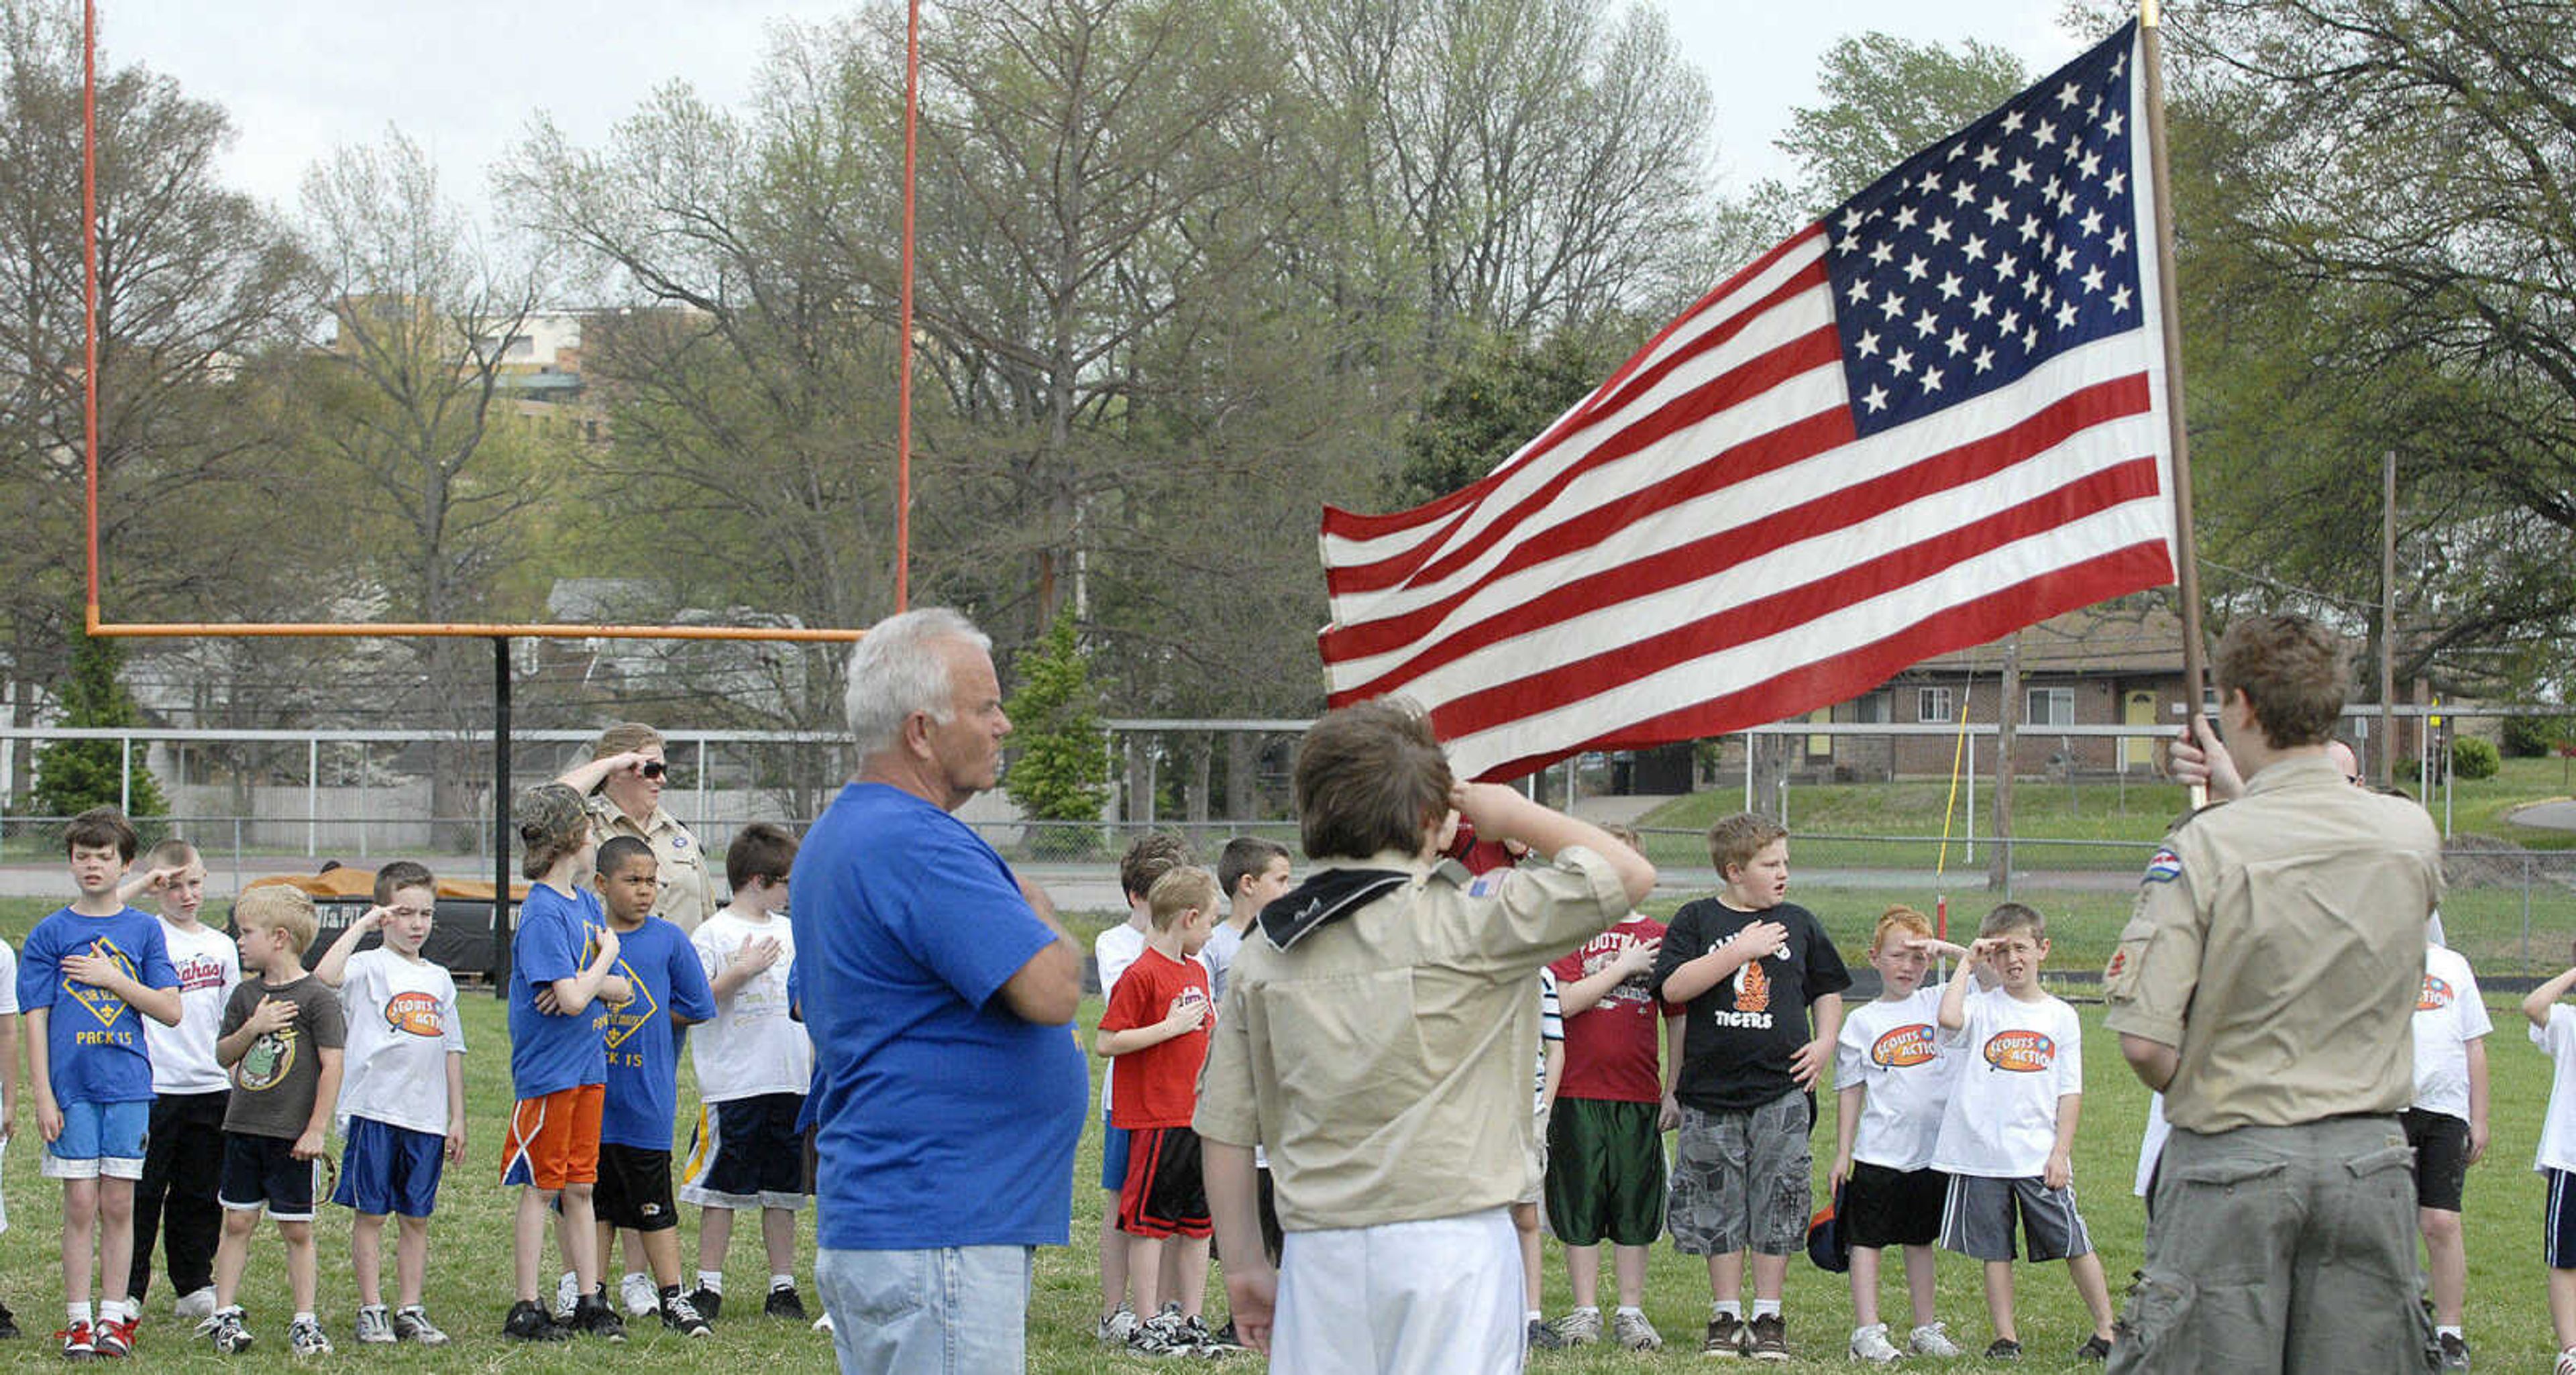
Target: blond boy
282 1037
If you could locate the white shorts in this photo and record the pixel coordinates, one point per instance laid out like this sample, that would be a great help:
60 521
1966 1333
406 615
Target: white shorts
1441 1297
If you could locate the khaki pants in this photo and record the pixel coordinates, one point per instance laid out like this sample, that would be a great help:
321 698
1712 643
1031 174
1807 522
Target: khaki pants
2281 1251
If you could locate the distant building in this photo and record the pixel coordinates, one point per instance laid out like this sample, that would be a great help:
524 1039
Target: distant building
2118 663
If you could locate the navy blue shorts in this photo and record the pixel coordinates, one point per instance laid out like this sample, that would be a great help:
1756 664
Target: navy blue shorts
389 1169
1113 1155
263 1171
746 1153
2558 1224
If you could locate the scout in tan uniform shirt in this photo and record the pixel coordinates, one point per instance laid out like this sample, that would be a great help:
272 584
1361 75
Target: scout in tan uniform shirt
621 783
2266 986
1377 1037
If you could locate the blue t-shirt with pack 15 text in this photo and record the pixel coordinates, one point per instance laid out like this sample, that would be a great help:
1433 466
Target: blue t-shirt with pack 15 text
643 1056
94 1039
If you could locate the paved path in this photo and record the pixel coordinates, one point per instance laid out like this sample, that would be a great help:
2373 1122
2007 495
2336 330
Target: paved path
2556 815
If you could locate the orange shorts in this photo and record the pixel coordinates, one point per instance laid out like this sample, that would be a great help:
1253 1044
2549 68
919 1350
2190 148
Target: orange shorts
554 1140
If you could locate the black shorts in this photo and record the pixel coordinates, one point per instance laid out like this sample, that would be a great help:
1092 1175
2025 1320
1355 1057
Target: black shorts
263 1170
634 1188
1883 1207
1165 1194
2441 1144
747 1153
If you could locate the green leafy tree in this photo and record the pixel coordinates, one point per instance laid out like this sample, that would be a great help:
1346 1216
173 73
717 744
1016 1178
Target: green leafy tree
1501 398
1062 773
1886 98
73 776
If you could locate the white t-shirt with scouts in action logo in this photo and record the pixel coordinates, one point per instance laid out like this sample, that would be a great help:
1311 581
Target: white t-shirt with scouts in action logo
2448 1015
402 1027
2016 1059
1891 1050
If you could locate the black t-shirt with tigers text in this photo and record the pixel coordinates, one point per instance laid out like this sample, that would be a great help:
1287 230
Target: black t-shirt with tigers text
1743 1032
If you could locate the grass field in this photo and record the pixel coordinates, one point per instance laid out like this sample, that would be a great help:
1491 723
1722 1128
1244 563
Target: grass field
469 1281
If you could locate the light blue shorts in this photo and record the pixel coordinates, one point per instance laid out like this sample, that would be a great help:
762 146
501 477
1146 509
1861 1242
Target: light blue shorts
99 1139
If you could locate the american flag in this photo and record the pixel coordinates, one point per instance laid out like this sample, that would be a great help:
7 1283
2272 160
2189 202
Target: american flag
1932 417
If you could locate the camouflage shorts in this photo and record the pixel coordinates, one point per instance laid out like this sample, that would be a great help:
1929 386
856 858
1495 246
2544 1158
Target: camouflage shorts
1740 1180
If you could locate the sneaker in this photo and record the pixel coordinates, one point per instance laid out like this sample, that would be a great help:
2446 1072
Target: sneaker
567 1296
9 1322
529 1323
1115 1329
375 1326
1582 1327
223 1329
2566 1363
1933 1339
1633 1333
823 1324
1223 1341
1870 1344
708 1302
194 1307
2095 1348
2455 1352
1727 1336
413 1325
1202 1341
595 1316
113 1337
77 1343
2004 1349
306 1338
1769 1338
1538 1336
679 1315
639 1295
1160 1335
784 1302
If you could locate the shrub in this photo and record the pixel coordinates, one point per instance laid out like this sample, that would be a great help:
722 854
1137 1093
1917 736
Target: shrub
2472 757
2535 737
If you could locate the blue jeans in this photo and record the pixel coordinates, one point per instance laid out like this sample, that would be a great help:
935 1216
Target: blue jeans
960 1310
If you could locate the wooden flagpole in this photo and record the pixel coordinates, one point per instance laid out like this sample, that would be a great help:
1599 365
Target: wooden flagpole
2169 292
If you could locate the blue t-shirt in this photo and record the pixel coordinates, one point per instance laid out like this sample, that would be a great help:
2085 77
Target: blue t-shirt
555 940
93 1040
643 1060
945 1119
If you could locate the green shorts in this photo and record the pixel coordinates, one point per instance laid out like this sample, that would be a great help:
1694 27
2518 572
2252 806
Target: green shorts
1605 1173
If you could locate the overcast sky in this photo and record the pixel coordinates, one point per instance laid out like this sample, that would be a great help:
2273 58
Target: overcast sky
302 76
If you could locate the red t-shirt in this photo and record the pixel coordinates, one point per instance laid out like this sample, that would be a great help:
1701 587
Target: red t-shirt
1159 1085
1610 1048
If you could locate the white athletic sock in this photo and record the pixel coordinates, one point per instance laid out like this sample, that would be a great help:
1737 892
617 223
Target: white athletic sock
1728 1308
1766 1308
1592 1308
711 1280
778 1282
78 1312
1628 1310
306 1316
2450 1332
1529 1315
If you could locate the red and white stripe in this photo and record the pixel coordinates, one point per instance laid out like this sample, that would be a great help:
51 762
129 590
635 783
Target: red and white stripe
1703 544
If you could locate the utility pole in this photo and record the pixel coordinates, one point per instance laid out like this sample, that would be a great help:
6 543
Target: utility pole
2007 687
2386 763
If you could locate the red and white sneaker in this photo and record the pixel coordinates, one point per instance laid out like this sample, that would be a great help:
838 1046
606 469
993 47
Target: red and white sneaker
114 1337
77 1342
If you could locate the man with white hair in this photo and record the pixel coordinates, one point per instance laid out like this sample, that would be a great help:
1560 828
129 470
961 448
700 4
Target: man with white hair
937 987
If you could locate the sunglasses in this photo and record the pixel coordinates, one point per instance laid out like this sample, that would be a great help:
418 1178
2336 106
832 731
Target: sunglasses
655 768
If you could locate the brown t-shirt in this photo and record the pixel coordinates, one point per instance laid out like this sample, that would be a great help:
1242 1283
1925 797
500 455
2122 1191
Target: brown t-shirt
274 1081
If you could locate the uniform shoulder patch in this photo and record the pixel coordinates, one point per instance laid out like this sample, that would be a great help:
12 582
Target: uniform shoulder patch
2165 867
